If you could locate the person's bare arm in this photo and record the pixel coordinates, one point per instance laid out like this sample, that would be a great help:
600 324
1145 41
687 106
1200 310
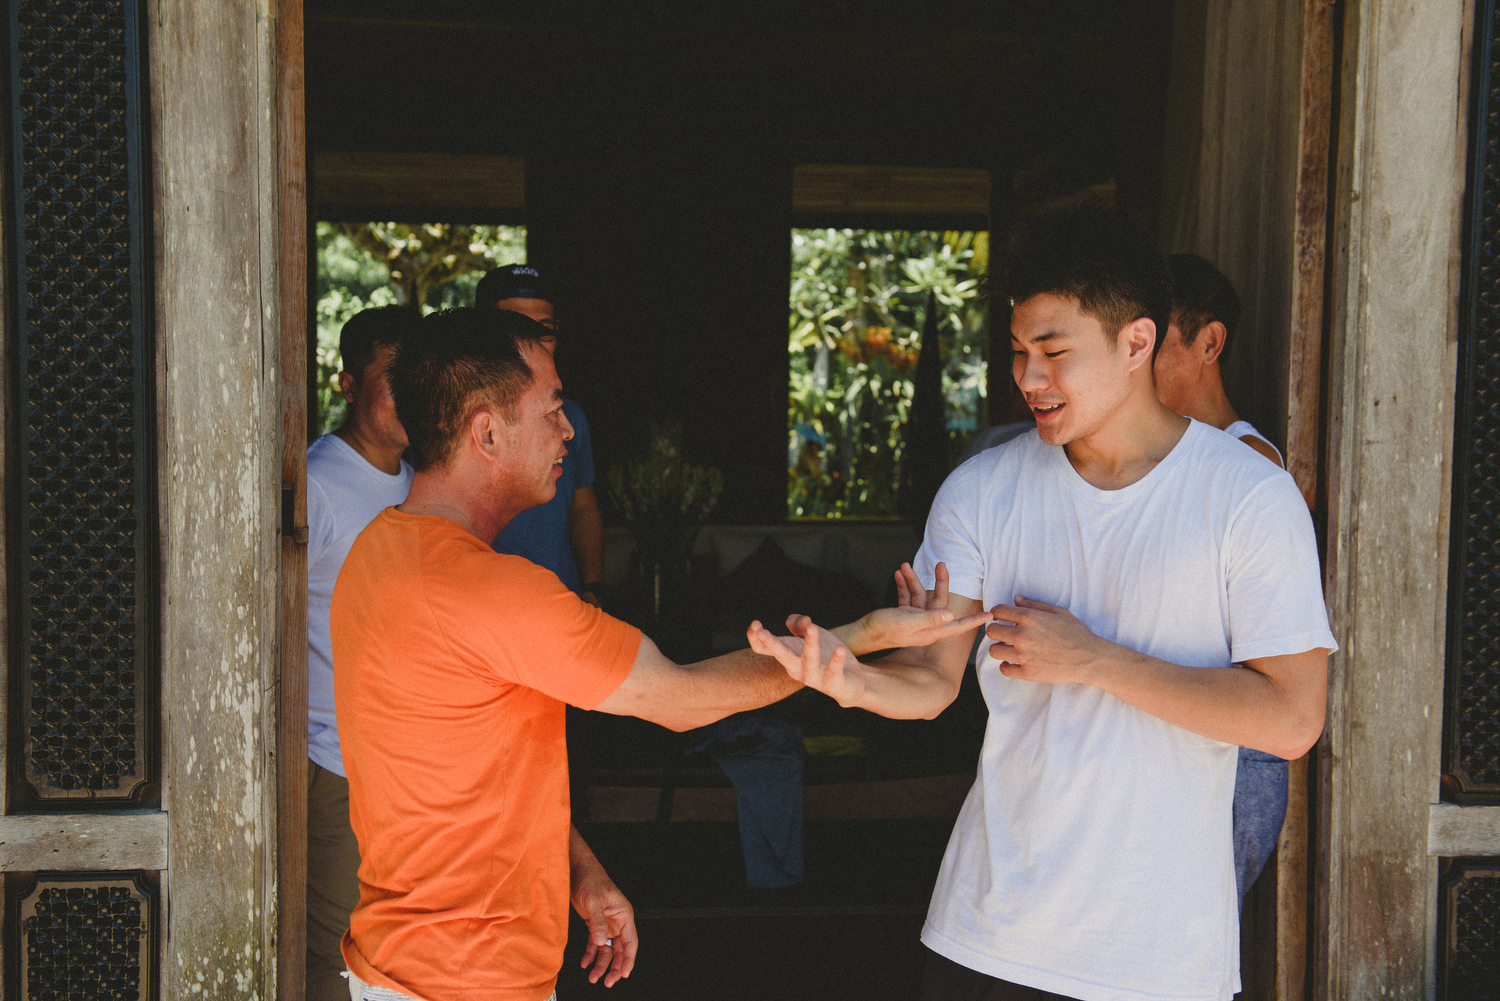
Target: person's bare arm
682 697
586 532
685 696
1272 704
920 617
911 683
613 940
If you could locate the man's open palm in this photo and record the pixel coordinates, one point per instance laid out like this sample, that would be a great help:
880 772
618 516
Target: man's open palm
816 658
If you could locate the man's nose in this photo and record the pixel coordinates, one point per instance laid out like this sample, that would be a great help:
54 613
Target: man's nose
568 428
1029 374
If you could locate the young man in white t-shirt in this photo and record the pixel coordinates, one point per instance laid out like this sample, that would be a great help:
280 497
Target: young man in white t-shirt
1133 560
1189 381
352 475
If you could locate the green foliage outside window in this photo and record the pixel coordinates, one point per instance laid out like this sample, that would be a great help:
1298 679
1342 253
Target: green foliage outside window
361 265
859 300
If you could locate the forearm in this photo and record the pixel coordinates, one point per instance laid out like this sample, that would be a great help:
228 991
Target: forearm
1236 705
583 864
586 533
857 636
907 684
725 685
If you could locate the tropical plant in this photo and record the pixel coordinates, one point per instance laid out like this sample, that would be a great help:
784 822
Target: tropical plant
361 265
859 300
664 502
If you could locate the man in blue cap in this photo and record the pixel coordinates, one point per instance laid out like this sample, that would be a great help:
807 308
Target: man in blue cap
566 534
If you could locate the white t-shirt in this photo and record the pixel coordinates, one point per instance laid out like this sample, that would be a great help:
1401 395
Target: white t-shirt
344 494
1244 429
1093 855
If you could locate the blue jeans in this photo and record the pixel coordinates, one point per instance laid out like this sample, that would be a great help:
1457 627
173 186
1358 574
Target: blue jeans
1260 785
361 991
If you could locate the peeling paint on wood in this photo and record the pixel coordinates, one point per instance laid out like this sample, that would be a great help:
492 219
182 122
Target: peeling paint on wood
1391 374
100 841
214 72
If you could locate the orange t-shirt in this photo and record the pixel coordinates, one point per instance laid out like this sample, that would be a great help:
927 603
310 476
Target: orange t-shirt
451 666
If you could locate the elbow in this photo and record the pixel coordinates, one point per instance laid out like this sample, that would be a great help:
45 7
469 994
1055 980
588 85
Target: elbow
1302 738
943 698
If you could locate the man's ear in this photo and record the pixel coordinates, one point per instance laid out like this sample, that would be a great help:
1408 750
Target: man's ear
1210 341
1138 338
486 432
346 386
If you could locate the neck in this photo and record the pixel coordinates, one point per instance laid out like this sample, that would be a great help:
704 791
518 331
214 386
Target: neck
384 457
1209 403
1137 436
448 493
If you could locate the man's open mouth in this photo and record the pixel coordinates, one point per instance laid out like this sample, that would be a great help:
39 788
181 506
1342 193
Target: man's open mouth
1045 408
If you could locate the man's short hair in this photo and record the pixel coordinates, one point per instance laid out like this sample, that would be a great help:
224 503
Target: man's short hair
366 330
1108 262
464 359
1200 295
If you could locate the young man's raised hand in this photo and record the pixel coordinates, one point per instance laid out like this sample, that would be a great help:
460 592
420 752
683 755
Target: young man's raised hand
915 621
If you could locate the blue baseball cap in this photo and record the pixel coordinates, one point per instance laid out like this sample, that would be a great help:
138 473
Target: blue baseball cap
513 281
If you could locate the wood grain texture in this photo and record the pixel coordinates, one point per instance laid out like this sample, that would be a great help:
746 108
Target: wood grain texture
1401 132
1304 376
466 180
89 842
1293 879
1237 204
291 626
1462 830
214 64
822 188
1309 235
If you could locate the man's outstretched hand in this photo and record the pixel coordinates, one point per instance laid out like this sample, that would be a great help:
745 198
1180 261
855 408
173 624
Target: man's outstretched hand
915 621
815 657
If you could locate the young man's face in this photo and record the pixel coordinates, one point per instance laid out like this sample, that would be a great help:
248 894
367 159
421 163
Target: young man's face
536 438
371 405
1177 369
539 310
1072 377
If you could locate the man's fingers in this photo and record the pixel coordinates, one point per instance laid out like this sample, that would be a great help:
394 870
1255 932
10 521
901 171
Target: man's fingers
812 655
627 943
909 590
598 952
598 925
765 643
797 624
1033 603
940 628
940 586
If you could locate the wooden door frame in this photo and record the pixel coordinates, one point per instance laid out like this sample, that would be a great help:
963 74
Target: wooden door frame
291 623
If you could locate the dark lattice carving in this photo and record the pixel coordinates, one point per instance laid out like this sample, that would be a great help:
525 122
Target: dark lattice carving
86 940
77 184
1471 958
1472 720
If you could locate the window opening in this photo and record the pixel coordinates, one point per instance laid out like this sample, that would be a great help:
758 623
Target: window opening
365 264
860 299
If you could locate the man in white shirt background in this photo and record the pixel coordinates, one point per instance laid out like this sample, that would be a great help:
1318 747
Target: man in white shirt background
1156 603
1189 380
352 475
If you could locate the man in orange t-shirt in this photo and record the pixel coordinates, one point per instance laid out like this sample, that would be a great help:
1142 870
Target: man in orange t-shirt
452 665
